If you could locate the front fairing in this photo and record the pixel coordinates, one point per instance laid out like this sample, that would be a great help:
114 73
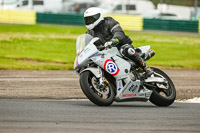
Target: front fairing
85 49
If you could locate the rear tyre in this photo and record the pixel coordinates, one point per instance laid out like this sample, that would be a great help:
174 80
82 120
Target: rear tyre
164 94
101 96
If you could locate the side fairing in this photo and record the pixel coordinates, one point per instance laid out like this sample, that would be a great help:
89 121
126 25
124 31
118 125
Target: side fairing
110 61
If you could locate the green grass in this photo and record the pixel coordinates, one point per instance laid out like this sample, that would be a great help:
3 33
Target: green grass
41 47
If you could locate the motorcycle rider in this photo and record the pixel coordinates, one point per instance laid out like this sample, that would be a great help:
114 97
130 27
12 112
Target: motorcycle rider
111 34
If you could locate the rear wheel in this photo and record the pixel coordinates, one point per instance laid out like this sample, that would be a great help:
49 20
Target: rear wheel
101 95
163 94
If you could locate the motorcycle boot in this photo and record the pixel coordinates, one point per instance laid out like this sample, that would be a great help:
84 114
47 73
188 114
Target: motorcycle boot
147 69
139 61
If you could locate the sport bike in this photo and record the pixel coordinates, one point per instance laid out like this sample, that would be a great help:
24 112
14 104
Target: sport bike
107 76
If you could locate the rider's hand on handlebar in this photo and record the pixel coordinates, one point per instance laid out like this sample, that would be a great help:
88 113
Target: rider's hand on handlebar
111 43
108 44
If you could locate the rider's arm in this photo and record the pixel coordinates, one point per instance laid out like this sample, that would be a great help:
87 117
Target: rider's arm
116 29
98 43
90 32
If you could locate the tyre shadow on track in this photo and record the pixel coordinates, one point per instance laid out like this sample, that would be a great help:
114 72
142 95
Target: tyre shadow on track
127 105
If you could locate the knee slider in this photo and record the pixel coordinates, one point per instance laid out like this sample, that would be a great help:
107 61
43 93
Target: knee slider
131 51
123 49
127 50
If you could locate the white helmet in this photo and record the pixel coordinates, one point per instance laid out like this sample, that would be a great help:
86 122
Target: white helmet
92 17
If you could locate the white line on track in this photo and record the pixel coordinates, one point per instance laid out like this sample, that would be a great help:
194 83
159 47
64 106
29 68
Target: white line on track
193 100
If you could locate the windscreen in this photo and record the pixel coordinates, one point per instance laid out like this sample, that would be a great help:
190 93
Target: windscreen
82 41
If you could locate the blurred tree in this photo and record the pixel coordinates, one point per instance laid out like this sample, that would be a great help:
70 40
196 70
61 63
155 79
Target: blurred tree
178 2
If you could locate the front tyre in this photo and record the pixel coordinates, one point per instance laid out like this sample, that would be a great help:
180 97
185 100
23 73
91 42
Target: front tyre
164 94
99 95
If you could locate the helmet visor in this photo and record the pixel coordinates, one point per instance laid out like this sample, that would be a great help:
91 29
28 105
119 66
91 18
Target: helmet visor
91 19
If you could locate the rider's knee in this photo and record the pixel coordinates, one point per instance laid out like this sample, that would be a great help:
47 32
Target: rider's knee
127 50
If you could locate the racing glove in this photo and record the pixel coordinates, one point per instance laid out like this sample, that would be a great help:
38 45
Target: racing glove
111 43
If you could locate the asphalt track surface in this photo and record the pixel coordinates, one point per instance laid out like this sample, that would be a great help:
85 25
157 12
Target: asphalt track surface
81 116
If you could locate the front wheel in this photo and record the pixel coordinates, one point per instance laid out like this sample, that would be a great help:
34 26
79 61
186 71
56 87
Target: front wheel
163 94
101 95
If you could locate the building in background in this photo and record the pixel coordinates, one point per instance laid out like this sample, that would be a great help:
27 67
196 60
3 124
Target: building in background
182 12
36 5
54 6
77 6
126 6
145 8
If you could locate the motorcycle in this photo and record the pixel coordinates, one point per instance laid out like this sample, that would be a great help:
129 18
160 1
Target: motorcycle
107 76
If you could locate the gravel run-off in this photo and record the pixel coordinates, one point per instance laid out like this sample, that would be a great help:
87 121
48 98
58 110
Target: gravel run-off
65 84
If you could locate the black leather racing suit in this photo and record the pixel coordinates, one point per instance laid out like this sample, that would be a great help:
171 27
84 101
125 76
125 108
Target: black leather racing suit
110 29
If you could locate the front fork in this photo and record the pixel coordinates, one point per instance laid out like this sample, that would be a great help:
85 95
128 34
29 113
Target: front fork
101 79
